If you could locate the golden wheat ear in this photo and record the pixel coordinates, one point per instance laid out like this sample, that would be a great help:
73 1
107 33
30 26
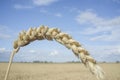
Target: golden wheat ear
43 32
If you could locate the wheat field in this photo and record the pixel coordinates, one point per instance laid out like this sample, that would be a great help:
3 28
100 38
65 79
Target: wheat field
54 71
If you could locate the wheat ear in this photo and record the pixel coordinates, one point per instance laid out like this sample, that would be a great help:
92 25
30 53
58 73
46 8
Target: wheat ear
40 33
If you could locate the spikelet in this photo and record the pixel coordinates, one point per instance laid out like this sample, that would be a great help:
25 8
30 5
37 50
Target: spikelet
74 49
48 34
29 32
20 36
42 29
15 45
40 36
65 37
89 58
55 32
82 57
38 29
58 36
68 46
80 49
60 41
71 41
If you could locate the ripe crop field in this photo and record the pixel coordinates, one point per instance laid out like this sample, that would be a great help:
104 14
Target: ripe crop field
52 71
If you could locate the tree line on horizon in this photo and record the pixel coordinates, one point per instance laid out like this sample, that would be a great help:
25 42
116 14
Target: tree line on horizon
37 61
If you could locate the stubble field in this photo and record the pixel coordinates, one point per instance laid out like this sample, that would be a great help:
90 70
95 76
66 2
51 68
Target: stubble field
49 71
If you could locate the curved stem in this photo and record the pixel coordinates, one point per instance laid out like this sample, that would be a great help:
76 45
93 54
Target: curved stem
9 65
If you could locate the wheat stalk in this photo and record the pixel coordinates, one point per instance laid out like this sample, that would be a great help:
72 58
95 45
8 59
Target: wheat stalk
40 33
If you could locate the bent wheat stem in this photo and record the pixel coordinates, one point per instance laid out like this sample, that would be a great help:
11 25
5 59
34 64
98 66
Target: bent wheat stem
10 62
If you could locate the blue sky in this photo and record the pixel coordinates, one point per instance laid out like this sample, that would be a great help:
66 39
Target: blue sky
93 23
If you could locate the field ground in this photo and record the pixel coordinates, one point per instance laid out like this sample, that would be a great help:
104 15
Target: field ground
66 71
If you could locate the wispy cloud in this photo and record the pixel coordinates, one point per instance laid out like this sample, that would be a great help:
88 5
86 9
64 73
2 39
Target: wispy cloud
46 12
117 1
54 53
104 29
4 54
34 4
32 51
43 2
4 36
43 11
105 53
72 9
58 15
4 50
19 6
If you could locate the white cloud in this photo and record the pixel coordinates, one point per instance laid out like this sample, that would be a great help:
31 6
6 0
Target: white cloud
43 2
2 49
32 51
18 6
53 53
35 3
107 29
58 15
118 50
